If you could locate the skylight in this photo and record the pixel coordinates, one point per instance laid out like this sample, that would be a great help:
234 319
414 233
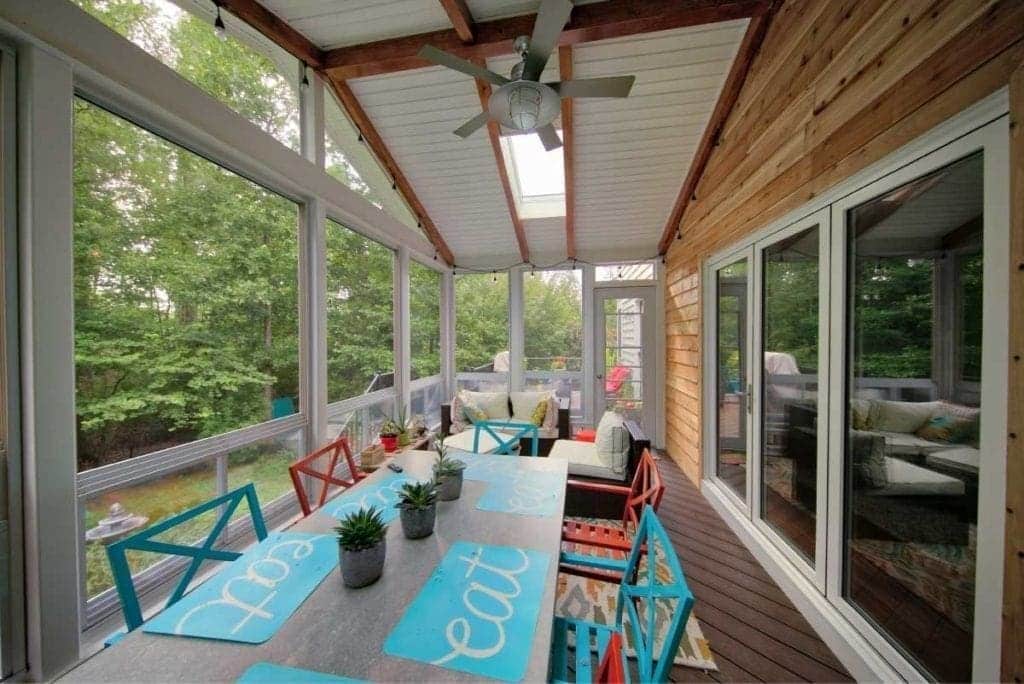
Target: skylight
537 176
538 171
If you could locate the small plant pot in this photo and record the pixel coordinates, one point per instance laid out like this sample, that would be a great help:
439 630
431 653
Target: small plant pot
418 523
362 568
389 442
403 439
449 487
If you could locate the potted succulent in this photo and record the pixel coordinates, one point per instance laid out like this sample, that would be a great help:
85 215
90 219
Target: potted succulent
389 432
417 504
361 546
447 473
403 429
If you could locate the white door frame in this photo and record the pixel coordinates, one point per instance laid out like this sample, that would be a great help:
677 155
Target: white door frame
991 140
710 363
649 351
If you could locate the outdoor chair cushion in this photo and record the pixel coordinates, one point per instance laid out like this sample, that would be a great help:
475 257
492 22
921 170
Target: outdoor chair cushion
583 460
542 432
464 441
906 479
494 404
612 442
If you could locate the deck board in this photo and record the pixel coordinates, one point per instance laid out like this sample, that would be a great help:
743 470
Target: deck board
756 633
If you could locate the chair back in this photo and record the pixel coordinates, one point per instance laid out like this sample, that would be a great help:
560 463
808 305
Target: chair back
647 490
612 670
307 466
144 541
653 586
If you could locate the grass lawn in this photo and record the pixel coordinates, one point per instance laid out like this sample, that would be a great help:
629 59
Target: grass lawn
266 466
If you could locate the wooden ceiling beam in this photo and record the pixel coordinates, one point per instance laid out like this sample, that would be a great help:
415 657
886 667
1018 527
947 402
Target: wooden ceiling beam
568 152
749 46
276 29
597 21
372 138
483 90
462 21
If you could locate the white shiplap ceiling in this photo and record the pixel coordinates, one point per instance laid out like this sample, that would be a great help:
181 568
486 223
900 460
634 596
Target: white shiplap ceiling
457 180
632 155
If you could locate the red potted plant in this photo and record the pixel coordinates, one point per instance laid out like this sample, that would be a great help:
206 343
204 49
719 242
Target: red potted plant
389 436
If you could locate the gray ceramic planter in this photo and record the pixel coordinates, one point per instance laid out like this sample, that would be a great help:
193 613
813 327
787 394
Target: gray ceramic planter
449 487
418 522
360 568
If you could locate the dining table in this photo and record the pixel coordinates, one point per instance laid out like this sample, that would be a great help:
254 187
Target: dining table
342 631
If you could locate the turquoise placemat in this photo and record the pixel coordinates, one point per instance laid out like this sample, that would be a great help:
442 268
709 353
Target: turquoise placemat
382 493
486 467
477 613
524 492
269 673
253 595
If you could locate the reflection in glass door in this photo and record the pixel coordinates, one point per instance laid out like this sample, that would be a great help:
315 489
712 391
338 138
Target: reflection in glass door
624 337
732 394
789 389
913 414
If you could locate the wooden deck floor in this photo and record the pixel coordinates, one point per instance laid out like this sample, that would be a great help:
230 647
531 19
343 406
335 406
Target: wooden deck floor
755 632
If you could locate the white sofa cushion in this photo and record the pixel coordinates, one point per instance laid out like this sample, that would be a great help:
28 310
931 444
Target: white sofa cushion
583 459
612 442
494 404
901 416
906 479
524 403
464 441
513 424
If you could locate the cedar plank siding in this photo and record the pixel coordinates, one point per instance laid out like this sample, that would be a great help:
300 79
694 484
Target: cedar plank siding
836 86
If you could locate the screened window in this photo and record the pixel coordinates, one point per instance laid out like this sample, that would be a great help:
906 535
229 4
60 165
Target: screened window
553 334
360 323
186 314
613 272
245 70
481 330
424 320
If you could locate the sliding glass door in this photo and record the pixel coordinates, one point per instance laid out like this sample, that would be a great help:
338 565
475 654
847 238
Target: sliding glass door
792 266
732 364
855 401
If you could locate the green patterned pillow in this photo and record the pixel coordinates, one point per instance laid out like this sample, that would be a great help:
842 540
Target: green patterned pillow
473 413
537 416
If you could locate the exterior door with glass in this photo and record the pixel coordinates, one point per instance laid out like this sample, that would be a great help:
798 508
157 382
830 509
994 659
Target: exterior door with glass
623 351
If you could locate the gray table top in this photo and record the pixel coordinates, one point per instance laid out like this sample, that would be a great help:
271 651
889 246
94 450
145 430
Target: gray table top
340 630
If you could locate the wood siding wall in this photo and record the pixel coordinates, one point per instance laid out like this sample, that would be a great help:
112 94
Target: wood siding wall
836 86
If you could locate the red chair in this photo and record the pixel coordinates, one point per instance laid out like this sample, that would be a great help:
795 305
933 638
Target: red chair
611 671
306 467
608 538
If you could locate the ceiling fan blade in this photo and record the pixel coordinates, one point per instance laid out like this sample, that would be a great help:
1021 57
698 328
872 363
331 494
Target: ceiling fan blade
446 59
549 137
611 86
470 127
551 19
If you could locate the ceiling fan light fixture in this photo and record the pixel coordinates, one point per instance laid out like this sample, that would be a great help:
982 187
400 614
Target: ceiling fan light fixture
524 106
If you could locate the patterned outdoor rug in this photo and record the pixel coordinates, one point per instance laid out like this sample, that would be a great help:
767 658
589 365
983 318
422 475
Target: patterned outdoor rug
595 600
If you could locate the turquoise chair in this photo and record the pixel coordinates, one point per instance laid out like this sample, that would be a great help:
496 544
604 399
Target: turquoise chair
638 587
507 441
117 552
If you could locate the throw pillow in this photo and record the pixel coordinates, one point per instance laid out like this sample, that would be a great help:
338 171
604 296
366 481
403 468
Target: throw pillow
868 463
474 414
938 429
494 404
902 416
950 430
612 442
541 410
860 413
551 415
458 416
524 403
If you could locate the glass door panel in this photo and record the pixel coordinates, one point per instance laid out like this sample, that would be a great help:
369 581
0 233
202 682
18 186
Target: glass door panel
623 361
913 414
732 394
789 386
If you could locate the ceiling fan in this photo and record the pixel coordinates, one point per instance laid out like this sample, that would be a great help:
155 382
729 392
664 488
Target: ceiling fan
522 102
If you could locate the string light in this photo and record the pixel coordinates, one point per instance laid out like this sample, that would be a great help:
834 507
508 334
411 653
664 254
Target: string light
218 25
435 255
494 276
533 271
360 136
304 83
679 234
394 184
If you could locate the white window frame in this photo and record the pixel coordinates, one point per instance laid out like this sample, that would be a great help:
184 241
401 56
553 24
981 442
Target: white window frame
864 651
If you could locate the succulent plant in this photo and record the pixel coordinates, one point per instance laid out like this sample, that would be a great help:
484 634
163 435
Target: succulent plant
389 428
361 530
417 495
445 465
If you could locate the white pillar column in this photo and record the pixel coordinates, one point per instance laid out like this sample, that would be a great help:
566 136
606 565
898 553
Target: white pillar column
403 348
313 289
46 219
448 334
516 342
